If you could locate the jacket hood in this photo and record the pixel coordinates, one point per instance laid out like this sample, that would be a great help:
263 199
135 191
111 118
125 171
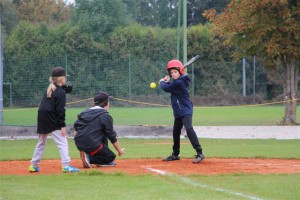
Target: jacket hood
90 114
185 79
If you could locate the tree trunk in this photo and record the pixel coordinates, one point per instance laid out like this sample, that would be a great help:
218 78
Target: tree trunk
290 90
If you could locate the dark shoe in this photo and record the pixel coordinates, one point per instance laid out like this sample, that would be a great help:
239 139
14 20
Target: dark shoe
198 158
172 157
111 164
85 160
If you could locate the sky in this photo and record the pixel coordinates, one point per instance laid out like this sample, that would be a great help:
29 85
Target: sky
69 1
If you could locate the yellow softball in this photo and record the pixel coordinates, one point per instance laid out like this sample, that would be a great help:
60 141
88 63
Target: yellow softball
152 85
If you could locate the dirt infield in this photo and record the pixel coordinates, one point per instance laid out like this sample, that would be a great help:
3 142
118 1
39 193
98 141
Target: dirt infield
183 167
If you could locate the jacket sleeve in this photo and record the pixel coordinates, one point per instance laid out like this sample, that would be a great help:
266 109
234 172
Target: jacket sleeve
109 129
170 87
75 126
60 106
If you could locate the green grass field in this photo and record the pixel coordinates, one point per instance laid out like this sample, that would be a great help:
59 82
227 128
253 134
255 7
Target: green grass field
98 185
155 148
203 116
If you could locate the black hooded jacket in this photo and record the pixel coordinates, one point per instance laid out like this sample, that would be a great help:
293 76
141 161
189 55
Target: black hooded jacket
51 113
91 126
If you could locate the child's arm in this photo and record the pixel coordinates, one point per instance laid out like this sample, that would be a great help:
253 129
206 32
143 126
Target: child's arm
171 87
165 79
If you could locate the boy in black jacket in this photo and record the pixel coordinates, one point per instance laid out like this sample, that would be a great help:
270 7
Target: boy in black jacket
182 109
93 129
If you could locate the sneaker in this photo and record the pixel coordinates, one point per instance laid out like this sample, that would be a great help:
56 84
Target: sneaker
69 169
172 157
111 164
85 160
198 158
34 168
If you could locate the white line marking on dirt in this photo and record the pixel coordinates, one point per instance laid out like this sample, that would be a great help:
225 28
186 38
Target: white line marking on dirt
190 182
157 171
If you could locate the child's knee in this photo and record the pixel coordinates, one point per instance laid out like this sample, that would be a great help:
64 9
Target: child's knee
190 131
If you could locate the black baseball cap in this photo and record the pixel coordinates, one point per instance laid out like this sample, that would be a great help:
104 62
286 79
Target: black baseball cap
101 96
58 71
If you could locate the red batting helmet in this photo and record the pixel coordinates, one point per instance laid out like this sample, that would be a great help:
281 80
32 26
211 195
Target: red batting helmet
175 64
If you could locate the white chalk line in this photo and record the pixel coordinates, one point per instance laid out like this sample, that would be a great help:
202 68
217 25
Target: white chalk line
157 171
190 182
266 164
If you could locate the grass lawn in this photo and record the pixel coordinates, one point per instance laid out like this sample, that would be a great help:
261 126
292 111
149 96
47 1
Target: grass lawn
98 185
203 116
94 185
158 148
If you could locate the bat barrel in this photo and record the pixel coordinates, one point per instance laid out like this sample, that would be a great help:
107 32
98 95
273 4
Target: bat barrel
191 61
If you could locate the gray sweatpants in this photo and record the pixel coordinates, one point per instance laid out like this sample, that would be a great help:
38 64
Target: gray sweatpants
61 143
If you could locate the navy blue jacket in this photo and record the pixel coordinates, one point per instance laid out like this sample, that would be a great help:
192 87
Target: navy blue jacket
180 98
91 126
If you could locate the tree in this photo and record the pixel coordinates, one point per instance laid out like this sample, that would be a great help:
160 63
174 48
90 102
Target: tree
51 11
165 13
195 8
269 29
153 12
99 17
9 16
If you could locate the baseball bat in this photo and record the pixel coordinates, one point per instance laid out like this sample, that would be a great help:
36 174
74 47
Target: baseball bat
191 61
